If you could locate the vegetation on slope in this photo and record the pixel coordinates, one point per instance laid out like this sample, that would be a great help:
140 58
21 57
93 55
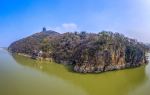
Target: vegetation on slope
87 52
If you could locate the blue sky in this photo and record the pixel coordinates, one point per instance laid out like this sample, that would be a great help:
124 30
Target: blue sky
21 18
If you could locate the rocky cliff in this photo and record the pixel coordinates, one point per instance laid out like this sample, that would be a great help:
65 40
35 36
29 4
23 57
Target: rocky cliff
87 52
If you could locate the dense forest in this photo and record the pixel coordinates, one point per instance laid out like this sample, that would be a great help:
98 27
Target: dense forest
86 52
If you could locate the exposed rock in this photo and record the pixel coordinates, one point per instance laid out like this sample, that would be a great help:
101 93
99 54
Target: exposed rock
87 52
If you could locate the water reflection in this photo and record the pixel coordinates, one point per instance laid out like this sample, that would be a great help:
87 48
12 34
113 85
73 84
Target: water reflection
121 82
18 79
143 89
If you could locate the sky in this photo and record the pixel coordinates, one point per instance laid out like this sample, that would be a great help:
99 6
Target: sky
21 18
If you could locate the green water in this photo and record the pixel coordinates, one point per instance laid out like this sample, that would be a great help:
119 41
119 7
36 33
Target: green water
24 76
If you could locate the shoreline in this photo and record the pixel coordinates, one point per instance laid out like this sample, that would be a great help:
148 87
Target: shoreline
85 71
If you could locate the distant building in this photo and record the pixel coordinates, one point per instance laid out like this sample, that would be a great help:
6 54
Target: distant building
40 53
44 29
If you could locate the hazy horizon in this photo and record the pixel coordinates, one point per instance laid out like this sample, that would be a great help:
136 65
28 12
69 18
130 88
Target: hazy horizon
21 18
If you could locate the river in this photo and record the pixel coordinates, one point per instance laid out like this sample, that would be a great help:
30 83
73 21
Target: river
23 76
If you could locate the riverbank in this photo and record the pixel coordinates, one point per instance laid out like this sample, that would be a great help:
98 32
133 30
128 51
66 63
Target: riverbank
37 58
90 68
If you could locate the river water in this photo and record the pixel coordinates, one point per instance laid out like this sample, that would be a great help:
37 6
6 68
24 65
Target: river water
23 76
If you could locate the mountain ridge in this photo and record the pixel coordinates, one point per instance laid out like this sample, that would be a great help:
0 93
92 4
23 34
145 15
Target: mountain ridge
87 52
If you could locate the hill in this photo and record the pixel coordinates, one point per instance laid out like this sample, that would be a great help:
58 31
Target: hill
86 52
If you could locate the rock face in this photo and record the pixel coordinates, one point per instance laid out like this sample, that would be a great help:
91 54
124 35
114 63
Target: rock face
87 52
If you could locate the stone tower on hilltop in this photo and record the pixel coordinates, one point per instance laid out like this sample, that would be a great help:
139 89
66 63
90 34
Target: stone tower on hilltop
44 29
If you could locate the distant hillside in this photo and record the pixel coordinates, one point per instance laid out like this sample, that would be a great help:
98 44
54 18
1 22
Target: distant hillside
87 52
33 42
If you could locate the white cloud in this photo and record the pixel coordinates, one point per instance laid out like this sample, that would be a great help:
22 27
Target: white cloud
69 27
66 27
